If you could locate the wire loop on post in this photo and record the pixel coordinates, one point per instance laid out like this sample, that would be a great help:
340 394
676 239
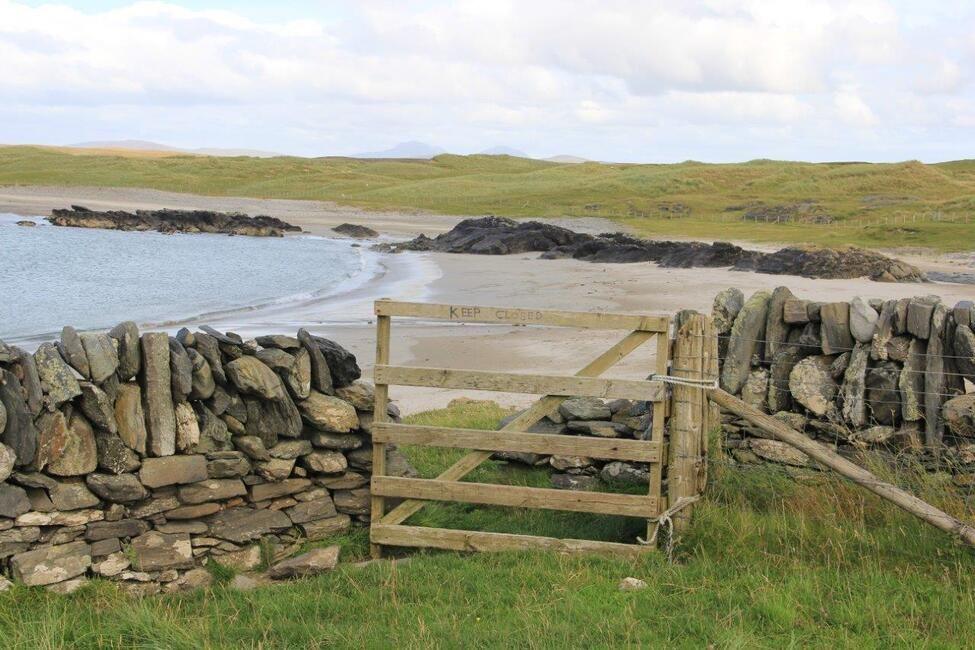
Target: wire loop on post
684 381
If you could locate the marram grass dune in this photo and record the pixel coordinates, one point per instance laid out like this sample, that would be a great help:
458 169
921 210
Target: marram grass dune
889 205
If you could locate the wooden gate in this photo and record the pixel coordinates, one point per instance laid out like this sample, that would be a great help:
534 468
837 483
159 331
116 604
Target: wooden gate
388 528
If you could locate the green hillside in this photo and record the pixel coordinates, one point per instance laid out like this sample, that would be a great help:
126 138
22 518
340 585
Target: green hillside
881 205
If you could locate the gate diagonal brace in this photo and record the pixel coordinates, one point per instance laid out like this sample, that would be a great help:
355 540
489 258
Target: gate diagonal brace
543 407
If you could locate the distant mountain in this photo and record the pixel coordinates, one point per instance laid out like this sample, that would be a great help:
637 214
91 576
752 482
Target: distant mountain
567 159
410 149
140 145
146 145
502 150
217 151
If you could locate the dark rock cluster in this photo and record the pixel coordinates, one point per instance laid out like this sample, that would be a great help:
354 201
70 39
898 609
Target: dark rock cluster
500 236
173 221
140 457
355 230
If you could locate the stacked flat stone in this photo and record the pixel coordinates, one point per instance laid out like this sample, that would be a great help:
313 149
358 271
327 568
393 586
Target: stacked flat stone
891 375
590 416
141 457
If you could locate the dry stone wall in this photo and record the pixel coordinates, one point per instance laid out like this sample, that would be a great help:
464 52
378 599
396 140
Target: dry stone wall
590 416
140 457
889 375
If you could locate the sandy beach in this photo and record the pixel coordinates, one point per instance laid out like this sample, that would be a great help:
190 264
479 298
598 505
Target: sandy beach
315 217
516 281
528 282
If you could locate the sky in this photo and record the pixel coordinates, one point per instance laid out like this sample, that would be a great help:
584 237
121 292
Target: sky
618 80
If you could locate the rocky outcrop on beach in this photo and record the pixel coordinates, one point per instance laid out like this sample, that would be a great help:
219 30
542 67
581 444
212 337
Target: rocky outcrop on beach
139 458
500 236
355 230
832 263
173 221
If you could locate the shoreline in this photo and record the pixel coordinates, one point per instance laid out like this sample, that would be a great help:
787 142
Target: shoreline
315 217
511 280
319 217
396 277
362 280
523 281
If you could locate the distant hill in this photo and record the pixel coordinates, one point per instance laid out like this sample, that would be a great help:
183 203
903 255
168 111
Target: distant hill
147 145
502 150
565 158
710 199
217 151
139 145
412 149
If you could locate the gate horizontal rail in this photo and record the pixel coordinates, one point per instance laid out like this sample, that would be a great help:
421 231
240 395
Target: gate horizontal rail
492 494
509 382
471 540
513 316
641 451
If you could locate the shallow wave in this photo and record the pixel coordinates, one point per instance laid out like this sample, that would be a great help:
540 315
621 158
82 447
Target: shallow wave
369 269
93 279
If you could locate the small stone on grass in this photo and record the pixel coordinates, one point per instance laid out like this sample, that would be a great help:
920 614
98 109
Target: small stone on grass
632 584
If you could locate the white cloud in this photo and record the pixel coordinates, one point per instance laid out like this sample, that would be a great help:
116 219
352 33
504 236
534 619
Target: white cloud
850 108
739 107
608 77
941 76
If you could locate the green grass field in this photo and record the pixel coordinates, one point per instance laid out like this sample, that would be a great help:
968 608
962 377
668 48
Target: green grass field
768 563
906 204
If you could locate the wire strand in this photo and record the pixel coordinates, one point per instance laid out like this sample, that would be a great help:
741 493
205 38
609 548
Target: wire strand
837 350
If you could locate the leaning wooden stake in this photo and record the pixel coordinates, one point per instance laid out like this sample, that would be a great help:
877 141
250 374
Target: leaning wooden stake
852 471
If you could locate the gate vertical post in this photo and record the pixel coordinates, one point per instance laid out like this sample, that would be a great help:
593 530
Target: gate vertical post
712 412
379 415
657 427
694 358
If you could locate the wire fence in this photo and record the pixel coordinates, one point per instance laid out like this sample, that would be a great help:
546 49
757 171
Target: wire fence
947 373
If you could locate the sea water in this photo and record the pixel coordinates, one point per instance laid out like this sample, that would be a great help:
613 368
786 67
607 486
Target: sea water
53 276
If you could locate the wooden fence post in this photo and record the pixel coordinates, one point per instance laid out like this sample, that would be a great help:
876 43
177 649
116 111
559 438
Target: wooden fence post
695 357
712 420
657 428
379 416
